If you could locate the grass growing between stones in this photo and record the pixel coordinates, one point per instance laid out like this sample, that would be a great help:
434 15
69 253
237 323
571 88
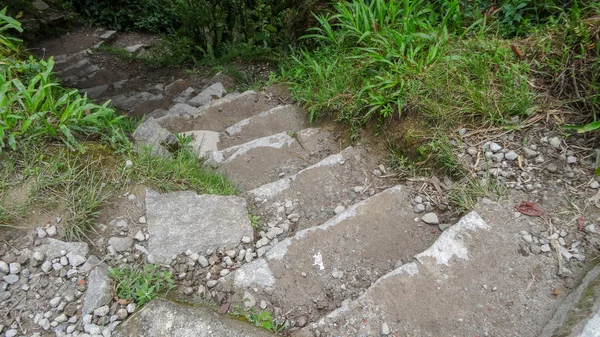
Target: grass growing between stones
182 172
262 319
141 284
464 194
55 180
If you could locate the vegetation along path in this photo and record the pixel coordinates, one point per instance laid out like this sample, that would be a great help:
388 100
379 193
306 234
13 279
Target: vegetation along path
228 213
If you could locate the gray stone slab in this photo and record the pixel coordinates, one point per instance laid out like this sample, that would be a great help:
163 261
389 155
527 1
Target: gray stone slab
472 281
262 160
54 247
95 92
153 135
182 109
164 318
289 118
208 95
131 101
355 246
182 221
570 319
98 292
203 141
340 173
222 113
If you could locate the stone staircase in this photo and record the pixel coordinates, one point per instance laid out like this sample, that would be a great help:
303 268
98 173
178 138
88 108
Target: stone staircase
339 251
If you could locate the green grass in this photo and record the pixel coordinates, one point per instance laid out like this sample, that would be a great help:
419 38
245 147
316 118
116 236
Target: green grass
77 183
182 172
262 319
141 284
464 194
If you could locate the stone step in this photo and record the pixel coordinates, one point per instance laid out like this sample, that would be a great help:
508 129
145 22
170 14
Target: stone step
289 118
473 281
579 314
261 161
162 317
220 114
317 192
311 273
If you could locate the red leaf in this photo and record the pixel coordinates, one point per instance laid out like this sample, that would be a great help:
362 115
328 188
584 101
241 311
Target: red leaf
530 208
581 223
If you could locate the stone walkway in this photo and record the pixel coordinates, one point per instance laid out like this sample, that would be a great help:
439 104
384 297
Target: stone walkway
340 248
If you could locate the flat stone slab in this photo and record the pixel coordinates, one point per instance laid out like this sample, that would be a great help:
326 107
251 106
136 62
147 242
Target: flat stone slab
471 281
339 173
182 221
54 247
99 287
289 118
262 160
203 141
350 252
151 134
208 95
128 103
579 313
164 318
220 114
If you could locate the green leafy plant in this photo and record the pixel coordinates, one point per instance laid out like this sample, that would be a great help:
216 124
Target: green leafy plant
33 105
262 319
254 221
8 44
141 284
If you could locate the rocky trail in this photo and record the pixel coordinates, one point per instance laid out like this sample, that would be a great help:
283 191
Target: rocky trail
343 247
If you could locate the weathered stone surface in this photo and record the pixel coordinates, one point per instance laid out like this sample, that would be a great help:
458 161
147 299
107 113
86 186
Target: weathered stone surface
163 318
260 161
213 92
181 109
98 291
95 92
574 317
282 118
128 103
153 135
108 35
54 247
134 48
40 5
381 228
120 244
203 141
182 221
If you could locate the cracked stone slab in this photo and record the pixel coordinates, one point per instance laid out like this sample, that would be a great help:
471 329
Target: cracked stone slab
261 160
95 92
162 317
182 221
